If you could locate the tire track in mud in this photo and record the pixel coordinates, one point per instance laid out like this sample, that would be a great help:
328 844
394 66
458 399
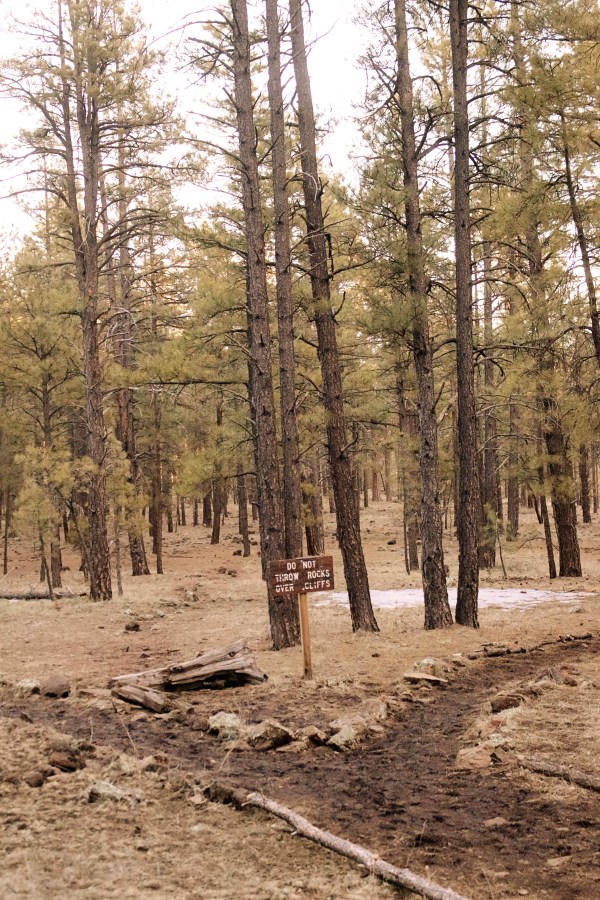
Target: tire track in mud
400 794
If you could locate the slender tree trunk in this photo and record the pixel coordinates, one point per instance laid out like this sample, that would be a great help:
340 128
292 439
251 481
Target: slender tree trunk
584 482
83 224
594 479
490 440
243 510
283 610
545 520
207 510
315 539
387 474
7 526
292 488
468 510
348 524
577 217
196 513
157 491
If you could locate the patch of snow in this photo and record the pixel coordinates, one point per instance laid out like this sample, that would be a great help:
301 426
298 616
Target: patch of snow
504 598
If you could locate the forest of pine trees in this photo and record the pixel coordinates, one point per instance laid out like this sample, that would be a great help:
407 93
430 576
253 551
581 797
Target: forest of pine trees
425 328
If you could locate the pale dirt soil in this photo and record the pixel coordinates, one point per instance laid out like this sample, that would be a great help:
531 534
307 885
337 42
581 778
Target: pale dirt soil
399 793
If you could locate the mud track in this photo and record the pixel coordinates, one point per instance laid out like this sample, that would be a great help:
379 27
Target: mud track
400 794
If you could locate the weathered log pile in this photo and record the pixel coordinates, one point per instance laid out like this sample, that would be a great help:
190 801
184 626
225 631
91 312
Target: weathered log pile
222 667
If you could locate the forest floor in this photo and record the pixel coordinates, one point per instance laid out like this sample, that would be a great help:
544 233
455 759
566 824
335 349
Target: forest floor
435 784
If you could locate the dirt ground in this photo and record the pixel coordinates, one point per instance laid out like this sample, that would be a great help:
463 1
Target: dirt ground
499 831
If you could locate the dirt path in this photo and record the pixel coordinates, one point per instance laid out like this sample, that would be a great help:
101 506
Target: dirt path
400 794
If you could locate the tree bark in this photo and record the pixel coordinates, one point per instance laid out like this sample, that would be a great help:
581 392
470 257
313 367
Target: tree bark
292 487
243 510
584 482
577 217
348 524
468 509
83 225
283 610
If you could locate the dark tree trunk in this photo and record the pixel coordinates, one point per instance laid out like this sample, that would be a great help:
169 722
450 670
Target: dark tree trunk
375 486
364 477
594 479
292 488
348 525
83 226
563 500
217 503
182 518
387 474
468 510
313 505
545 521
407 472
207 510
512 488
490 440
243 510
157 487
577 217
283 610
196 513
7 526
584 482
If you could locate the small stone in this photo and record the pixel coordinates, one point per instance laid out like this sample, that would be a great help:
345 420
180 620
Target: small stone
56 686
28 686
312 734
104 790
557 861
132 626
226 725
35 779
392 542
572 681
496 822
66 761
237 553
474 758
232 572
506 701
267 735
222 570
432 666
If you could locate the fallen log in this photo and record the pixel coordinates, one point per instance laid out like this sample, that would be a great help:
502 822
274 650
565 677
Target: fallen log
142 696
554 770
384 870
41 595
234 663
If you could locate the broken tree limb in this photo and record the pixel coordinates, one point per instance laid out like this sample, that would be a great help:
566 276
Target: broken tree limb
41 595
233 663
554 770
142 696
384 870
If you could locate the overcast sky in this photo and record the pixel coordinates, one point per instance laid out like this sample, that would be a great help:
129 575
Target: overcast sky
336 81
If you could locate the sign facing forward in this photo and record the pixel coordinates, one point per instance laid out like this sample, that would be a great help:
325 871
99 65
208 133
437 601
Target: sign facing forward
301 576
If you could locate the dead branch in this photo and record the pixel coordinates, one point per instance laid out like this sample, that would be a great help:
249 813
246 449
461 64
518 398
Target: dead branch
384 870
142 696
554 770
41 595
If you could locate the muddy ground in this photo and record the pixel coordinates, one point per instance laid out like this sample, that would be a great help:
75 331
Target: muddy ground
497 831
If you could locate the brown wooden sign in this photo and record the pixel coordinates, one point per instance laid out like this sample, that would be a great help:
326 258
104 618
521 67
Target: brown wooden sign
301 576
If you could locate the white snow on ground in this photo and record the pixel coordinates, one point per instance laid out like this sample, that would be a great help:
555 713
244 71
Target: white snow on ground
505 598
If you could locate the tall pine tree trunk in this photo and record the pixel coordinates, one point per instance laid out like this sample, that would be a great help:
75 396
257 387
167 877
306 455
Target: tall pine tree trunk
283 610
83 226
348 525
292 487
468 506
437 609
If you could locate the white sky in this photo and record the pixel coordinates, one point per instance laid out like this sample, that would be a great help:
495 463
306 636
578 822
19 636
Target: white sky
336 81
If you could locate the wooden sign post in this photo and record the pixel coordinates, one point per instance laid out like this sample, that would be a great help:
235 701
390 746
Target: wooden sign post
302 576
